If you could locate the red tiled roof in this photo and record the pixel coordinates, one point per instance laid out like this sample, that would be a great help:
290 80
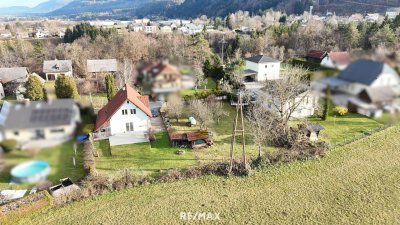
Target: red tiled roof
161 68
124 94
316 54
341 58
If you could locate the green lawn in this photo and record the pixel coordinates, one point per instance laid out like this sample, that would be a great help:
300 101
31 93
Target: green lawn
50 89
142 157
59 158
341 128
98 99
355 184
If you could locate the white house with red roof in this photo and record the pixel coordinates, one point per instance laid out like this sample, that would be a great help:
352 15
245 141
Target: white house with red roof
336 60
126 115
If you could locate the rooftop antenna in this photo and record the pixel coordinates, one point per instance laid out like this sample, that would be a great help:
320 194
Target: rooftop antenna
223 42
239 112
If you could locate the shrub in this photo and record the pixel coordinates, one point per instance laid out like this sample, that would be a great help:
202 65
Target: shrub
88 128
8 145
340 110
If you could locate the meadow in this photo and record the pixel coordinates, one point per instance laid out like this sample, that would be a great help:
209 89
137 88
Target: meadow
354 184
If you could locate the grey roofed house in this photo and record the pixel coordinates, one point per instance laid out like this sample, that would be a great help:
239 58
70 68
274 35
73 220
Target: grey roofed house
377 95
365 71
57 66
261 59
102 65
13 74
40 114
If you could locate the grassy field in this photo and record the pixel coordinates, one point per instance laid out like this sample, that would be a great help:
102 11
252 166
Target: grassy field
142 157
59 158
355 184
340 128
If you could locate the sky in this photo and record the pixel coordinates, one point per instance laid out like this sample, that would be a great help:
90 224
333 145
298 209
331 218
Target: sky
29 3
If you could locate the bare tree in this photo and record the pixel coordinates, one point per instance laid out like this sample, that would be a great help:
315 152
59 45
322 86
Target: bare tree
217 108
199 77
175 106
201 111
286 95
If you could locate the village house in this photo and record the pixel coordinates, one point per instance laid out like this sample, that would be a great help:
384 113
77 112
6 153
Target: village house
150 29
54 68
163 78
365 86
12 81
99 68
336 60
392 12
5 34
260 68
125 119
316 56
306 102
38 121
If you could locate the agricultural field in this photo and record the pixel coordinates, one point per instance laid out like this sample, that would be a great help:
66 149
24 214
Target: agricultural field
354 184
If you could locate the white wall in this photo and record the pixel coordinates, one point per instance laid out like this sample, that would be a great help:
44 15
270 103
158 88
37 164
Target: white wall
386 79
141 121
265 71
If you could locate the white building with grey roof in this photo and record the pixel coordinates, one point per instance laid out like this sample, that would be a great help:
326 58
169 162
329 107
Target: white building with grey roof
261 68
39 121
55 68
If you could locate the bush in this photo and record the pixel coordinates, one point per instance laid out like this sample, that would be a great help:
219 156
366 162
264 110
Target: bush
88 128
340 110
8 145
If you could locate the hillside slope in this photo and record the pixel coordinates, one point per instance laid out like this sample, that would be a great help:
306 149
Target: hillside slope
357 184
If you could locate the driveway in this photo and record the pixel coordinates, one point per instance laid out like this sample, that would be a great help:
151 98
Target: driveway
125 139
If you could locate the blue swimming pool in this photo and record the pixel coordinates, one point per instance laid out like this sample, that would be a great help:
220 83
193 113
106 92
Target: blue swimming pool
30 172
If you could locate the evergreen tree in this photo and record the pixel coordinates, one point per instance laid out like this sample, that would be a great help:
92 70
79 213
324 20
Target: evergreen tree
34 89
325 113
207 67
110 86
68 37
65 87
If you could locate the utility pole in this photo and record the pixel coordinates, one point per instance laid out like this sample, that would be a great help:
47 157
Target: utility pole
239 112
223 42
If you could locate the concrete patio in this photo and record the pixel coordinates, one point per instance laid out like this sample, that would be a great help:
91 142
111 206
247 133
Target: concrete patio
128 138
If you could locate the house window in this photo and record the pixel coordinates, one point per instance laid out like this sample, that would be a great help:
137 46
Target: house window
16 133
124 112
133 111
127 102
61 130
266 66
129 126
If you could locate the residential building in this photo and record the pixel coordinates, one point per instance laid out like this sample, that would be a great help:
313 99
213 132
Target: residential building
261 68
39 121
5 34
54 68
392 12
128 113
166 29
41 33
306 103
14 79
336 60
372 17
316 56
99 68
367 87
162 78
150 29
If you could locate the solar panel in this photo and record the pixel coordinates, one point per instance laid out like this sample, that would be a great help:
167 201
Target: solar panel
50 115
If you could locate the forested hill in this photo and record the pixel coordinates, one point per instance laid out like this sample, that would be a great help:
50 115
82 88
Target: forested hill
162 8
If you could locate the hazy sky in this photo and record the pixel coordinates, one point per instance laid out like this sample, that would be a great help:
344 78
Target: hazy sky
30 3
